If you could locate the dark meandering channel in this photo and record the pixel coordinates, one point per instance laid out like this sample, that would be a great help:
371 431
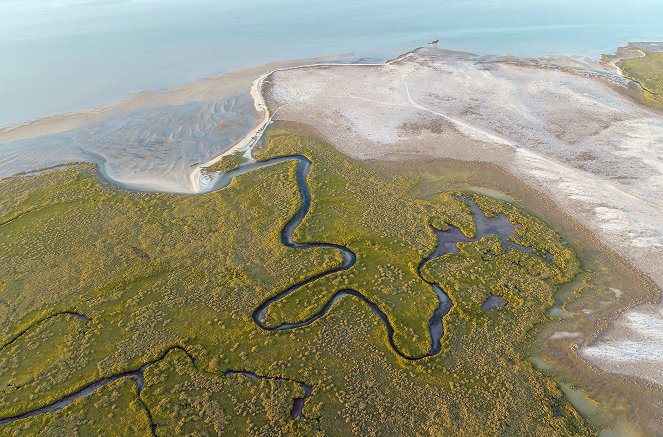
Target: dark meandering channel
446 243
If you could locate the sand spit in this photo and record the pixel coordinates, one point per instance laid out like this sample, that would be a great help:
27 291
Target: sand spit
563 128
257 92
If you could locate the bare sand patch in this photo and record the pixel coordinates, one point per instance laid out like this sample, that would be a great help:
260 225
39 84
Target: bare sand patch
153 141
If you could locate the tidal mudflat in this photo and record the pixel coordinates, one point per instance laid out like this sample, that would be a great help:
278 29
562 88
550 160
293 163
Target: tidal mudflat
69 55
152 142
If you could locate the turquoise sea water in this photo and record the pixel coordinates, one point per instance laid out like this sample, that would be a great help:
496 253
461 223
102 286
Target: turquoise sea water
63 55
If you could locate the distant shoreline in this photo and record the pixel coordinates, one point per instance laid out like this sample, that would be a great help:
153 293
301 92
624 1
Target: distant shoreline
244 81
76 118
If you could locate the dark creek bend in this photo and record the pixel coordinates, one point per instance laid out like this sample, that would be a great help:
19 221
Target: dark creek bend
447 241
138 376
297 403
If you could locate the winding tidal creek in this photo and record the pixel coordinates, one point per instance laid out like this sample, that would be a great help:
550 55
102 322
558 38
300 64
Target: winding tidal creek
447 243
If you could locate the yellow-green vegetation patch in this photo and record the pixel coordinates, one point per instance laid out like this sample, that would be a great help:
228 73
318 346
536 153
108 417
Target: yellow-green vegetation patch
21 361
647 72
100 283
388 230
228 162
186 401
113 409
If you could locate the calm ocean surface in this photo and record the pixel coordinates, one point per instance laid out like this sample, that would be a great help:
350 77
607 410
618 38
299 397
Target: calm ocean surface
63 55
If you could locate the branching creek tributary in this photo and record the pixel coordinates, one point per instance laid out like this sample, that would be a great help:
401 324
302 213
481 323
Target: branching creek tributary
446 243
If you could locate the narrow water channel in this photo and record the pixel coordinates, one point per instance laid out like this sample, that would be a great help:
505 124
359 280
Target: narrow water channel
446 243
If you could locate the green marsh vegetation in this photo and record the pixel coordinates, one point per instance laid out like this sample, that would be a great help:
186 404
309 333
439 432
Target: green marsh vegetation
173 280
647 71
227 163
